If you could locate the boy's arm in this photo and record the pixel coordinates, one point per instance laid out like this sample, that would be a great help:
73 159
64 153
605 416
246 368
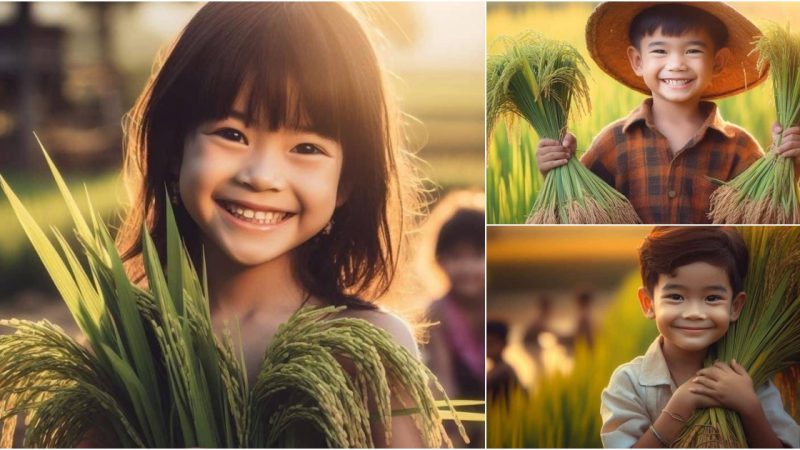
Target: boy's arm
626 422
667 427
784 426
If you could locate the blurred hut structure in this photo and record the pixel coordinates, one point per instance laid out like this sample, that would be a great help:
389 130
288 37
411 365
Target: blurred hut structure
76 110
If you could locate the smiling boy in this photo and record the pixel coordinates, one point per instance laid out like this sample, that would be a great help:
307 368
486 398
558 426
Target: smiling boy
663 154
693 280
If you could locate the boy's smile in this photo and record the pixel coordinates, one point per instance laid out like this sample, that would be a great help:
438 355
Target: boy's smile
677 69
693 307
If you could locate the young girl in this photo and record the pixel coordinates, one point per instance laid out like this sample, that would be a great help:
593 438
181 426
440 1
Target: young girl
270 129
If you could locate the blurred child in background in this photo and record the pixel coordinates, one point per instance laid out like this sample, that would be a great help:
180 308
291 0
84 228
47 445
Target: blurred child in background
455 351
502 378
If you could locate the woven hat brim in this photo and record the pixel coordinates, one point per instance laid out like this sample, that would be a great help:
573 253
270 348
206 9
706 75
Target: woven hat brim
607 42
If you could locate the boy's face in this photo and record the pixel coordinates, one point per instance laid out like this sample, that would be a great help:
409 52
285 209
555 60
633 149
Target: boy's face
693 307
677 69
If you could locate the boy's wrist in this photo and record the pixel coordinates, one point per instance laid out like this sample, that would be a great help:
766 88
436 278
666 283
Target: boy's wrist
750 405
680 407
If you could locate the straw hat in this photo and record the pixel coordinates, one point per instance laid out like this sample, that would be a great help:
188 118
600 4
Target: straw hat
607 41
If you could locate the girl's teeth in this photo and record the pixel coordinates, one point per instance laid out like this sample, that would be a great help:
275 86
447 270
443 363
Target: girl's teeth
261 217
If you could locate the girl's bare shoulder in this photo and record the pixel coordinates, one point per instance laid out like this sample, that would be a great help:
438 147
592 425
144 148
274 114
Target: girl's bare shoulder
397 327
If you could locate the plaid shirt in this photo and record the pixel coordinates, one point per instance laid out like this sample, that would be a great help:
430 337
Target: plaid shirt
634 157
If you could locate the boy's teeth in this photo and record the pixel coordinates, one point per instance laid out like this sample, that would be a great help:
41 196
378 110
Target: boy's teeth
261 217
676 82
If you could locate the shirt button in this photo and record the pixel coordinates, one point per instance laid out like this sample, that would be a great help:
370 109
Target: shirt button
671 194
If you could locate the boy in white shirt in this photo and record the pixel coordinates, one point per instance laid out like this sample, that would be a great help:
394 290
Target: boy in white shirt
693 278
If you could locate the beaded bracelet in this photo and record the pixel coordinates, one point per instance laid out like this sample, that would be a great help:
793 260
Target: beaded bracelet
660 439
674 416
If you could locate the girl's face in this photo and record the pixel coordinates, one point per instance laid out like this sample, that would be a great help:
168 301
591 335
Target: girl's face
258 194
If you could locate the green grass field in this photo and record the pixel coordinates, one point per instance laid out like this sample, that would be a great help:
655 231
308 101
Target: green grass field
41 197
512 178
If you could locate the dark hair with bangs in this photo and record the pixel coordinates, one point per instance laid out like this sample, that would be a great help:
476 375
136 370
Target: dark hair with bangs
667 248
674 20
304 66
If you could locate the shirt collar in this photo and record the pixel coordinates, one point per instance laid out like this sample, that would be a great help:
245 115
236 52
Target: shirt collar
654 367
644 113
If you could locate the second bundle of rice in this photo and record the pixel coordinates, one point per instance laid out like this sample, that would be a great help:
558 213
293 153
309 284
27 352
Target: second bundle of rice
767 191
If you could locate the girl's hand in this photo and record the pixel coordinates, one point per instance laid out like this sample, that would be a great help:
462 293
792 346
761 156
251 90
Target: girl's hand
790 144
551 153
730 385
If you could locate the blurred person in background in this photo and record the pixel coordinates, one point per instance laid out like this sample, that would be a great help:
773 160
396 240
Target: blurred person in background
501 378
536 328
455 351
584 328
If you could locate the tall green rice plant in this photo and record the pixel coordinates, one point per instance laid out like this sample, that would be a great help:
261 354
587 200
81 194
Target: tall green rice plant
155 374
766 192
766 337
540 80
512 179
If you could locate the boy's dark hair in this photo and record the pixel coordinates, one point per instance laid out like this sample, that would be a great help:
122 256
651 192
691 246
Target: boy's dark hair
667 248
674 20
466 226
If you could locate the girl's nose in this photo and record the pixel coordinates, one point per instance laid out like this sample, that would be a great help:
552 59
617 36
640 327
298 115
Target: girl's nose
263 171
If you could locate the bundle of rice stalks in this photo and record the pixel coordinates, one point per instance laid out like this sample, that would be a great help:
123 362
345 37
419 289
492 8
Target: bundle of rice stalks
766 337
155 375
541 80
767 192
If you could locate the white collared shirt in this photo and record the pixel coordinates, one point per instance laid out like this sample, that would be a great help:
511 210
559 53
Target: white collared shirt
640 389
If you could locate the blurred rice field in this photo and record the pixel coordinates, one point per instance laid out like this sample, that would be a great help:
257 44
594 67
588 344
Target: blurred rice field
512 178
562 409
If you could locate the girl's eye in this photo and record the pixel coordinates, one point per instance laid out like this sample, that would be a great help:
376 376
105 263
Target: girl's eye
674 297
694 51
713 298
659 51
307 149
231 135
